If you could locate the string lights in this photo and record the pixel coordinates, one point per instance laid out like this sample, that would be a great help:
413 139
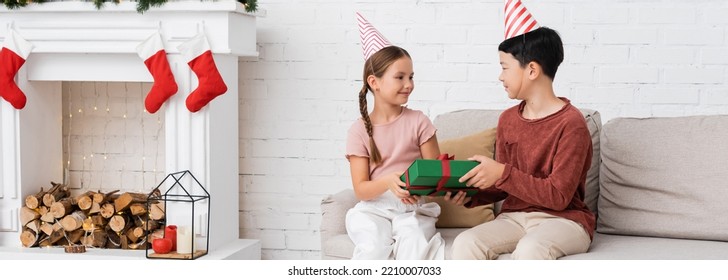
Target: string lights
93 149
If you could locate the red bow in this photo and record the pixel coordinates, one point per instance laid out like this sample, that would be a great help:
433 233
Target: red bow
445 157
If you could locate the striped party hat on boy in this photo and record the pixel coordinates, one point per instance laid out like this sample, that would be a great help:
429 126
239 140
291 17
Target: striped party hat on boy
518 20
371 40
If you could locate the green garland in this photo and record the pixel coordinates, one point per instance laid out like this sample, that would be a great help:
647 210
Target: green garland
142 5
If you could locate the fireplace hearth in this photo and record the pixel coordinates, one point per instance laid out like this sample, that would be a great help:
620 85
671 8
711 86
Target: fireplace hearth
76 42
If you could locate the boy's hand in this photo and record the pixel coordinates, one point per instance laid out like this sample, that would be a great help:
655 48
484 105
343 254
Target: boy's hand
459 198
412 199
395 184
485 174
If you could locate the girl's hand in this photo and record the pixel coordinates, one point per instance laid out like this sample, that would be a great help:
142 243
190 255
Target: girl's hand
485 174
395 184
459 198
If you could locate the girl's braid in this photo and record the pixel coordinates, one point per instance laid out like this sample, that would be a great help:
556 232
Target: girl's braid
375 156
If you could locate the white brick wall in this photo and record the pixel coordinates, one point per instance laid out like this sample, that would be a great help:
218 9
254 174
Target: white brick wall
623 58
118 149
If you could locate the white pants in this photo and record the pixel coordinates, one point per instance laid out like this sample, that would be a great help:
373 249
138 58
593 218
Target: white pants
402 234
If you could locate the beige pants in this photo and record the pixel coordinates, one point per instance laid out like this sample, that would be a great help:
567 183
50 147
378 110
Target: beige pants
534 235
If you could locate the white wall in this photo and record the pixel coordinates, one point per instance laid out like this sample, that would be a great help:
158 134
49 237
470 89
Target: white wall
119 149
623 58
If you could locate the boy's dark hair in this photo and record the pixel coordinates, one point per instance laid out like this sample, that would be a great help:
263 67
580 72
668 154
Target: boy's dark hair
542 45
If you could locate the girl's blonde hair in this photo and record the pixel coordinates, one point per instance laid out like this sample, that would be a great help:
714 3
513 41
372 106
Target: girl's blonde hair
376 65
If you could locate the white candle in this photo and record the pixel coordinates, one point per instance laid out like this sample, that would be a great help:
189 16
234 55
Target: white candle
184 240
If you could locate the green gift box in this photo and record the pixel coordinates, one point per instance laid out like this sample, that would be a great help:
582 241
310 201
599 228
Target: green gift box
425 177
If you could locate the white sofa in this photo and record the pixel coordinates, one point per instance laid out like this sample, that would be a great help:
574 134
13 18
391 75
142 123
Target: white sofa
658 185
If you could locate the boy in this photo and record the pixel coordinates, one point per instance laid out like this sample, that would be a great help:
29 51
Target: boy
543 152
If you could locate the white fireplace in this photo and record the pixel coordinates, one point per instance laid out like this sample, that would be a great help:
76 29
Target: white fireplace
76 42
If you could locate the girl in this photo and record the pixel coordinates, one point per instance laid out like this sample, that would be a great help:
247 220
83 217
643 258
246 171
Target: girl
389 223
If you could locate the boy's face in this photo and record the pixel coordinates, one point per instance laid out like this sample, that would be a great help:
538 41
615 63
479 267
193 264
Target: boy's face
397 82
512 75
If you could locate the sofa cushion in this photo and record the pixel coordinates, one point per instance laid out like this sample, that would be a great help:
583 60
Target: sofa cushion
664 177
624 247
480 143
337 247
591 192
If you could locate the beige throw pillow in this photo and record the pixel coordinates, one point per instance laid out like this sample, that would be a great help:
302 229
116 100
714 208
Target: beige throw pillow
451 216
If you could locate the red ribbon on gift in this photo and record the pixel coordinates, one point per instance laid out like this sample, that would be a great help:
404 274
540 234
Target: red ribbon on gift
446 174
445 159
410 187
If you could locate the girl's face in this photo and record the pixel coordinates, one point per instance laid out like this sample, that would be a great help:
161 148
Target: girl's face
397 82
512 75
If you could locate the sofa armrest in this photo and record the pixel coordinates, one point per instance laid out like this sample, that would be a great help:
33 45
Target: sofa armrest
333 213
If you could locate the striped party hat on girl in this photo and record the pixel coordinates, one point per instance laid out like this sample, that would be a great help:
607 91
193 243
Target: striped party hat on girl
371 40
518 20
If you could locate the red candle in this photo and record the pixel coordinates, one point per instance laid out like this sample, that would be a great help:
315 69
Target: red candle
162 245
170 232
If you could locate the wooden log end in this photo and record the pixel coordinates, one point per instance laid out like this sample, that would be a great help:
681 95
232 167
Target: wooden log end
75 249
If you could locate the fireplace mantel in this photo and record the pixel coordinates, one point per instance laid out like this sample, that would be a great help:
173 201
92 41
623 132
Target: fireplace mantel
76 42
92 39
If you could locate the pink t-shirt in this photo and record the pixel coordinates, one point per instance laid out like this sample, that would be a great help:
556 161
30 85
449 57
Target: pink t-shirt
398 141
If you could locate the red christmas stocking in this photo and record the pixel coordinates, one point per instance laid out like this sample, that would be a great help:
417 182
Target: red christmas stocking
12 56
210 84
155 58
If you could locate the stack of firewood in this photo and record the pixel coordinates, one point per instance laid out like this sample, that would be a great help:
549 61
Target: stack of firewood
92 219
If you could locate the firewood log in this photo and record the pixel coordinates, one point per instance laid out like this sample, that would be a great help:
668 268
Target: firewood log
137 209
27 215
74 249
135 234
57 235
49 199
46 228
119 223
85 200
95 208
74 237
56 193
63 207
73 221
61 242
34 225
85 203
97 238
156 211
45 241
101 198
29 238
107 210
43 210
140 244
147 224
113 240
98 221
34 200
126 199
48 217
124 242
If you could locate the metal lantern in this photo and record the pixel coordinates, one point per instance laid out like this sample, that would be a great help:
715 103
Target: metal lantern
185 232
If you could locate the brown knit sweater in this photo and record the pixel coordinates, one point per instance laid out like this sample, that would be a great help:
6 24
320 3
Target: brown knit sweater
546 164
